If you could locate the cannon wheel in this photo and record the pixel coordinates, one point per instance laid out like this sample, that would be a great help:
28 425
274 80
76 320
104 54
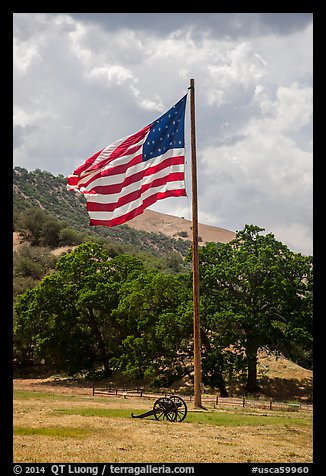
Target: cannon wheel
165 408
181 406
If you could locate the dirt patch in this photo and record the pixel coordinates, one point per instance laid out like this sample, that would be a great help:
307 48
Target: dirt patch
16 241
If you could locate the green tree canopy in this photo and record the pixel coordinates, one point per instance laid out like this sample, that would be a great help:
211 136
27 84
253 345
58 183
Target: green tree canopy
94 311
66 319
99 310
156 311
255 292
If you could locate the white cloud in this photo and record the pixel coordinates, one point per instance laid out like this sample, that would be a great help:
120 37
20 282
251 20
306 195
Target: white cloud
110 74
291 110
264 178
24 118
24 55
288 56
154 105
237 63
297 236
235 66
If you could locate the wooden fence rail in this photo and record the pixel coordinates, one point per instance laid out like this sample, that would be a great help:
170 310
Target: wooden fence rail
215 400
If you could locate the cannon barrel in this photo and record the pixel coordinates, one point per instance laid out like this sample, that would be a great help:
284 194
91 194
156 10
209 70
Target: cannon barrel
172 408
143 415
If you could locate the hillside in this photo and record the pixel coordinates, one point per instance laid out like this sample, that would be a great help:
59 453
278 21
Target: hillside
151 231
177 227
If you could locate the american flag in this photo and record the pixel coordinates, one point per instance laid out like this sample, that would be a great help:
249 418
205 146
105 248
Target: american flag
131 174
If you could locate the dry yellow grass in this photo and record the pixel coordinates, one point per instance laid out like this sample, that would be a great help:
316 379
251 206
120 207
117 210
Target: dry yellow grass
59 437
170 225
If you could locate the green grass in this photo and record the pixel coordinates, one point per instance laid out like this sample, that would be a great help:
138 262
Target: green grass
97 412
203 418
61 432
227 418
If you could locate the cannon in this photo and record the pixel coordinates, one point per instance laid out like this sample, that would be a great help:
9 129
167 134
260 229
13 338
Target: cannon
171 408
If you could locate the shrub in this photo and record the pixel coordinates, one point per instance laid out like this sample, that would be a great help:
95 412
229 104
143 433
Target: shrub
68 236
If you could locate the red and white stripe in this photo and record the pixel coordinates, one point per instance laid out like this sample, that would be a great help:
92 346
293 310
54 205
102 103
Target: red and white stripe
119 185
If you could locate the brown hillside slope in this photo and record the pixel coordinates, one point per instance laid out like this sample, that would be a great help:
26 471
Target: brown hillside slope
172 226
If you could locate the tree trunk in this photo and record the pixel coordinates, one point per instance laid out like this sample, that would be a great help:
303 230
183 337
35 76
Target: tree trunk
218 377
222 387
100 341
251 351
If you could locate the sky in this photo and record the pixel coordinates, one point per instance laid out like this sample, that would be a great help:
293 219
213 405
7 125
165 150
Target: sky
83 80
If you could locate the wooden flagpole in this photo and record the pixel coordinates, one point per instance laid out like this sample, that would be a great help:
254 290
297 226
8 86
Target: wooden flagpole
195 258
